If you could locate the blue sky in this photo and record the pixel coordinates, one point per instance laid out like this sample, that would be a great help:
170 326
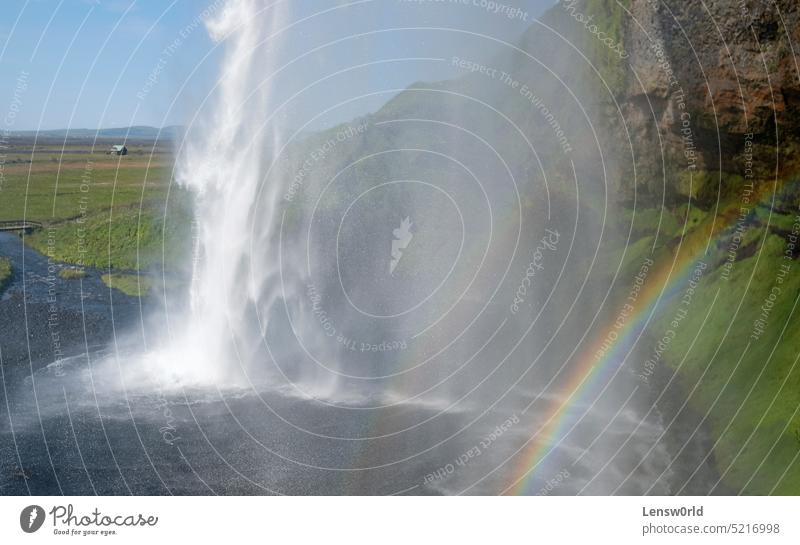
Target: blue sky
90 63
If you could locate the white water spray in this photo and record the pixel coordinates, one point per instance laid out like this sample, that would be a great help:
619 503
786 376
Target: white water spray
222 162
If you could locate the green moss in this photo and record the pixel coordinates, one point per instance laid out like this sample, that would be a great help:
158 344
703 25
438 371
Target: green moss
784 222
609 16
664 223
130 284
692 216
707 187
751 404
692 183
72 273
754 235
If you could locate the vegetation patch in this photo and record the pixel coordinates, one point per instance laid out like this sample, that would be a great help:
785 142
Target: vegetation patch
650 222
99 210
608 16
5 272
707 187
749 384
72 273
134 285
122 238
744 374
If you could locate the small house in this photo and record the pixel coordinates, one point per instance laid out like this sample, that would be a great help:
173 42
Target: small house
118 150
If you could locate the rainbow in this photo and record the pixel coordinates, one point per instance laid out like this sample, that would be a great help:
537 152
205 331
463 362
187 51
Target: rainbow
601 359
667 275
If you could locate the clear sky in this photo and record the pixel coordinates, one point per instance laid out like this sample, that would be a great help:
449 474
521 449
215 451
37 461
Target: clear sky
113 63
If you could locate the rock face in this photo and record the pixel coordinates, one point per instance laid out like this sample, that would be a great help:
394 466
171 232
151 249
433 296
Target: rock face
700 77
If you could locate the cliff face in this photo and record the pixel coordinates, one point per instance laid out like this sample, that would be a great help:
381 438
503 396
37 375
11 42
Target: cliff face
702 76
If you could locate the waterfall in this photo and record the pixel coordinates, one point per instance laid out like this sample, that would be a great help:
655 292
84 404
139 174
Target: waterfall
222 163
408 234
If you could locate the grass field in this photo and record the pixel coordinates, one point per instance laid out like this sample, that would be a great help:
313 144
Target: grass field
112 212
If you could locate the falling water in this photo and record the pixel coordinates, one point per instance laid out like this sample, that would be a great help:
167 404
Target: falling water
222 162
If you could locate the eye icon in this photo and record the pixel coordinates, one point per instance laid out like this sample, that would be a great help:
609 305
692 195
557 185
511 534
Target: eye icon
31 519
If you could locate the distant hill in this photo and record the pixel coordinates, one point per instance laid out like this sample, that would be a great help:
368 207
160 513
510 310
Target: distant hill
131 133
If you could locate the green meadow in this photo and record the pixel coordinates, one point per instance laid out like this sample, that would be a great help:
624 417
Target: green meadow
118 213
